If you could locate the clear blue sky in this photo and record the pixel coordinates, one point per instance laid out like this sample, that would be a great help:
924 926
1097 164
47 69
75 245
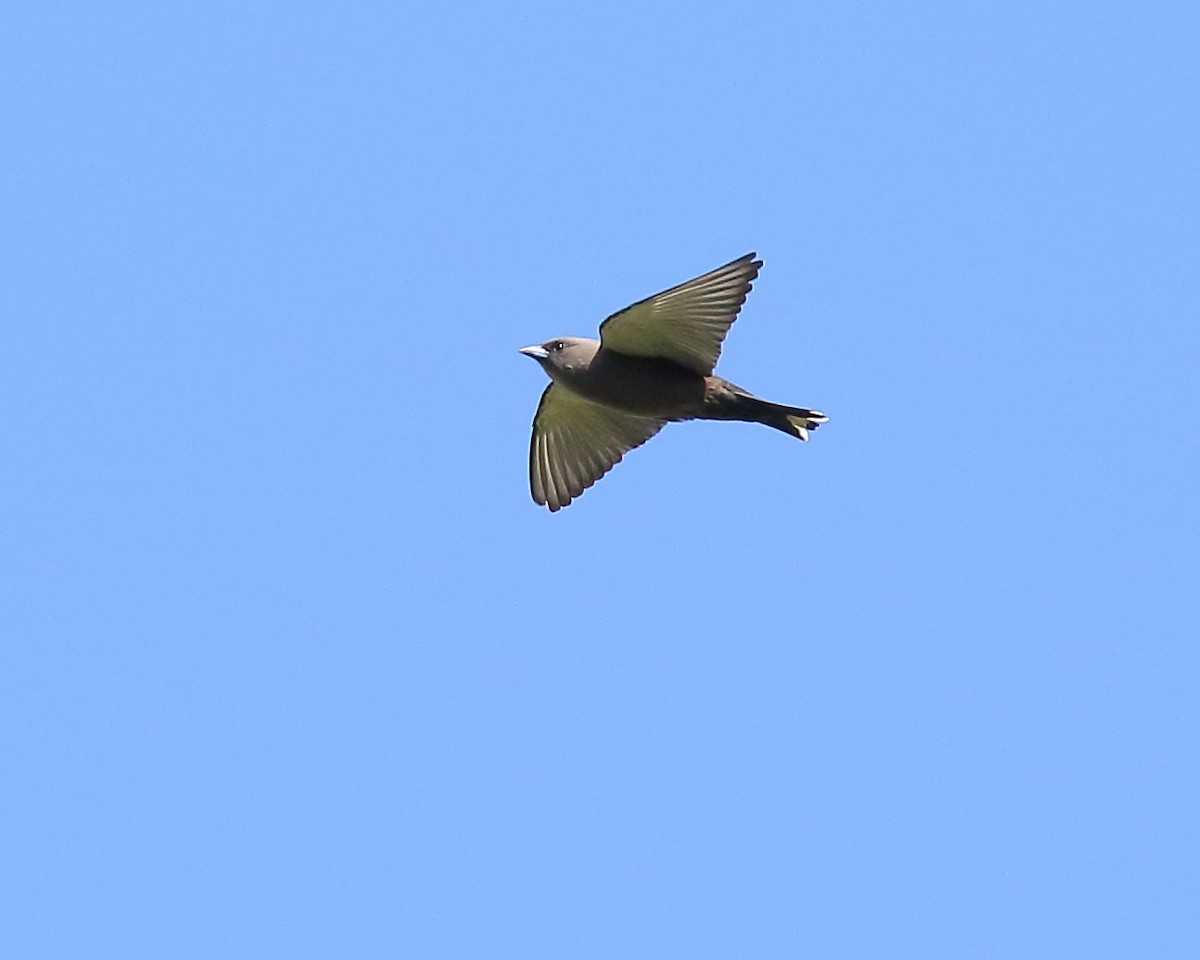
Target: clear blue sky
292 666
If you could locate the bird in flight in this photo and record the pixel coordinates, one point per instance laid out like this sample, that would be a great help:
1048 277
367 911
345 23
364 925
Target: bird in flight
653 364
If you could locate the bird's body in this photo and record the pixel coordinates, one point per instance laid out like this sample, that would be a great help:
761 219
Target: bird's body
644 386
652 365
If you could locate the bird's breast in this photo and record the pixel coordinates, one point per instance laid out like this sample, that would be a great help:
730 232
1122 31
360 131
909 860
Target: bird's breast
646 386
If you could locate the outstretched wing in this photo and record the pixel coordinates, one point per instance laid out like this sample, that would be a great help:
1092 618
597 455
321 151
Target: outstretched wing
575 442
687 323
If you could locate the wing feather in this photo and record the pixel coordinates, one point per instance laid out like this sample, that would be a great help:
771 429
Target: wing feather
687 323
575 442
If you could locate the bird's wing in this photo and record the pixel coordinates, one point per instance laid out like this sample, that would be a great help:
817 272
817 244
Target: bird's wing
687 323
575 442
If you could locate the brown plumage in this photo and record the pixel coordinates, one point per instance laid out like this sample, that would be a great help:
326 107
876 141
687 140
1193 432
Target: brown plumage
652 364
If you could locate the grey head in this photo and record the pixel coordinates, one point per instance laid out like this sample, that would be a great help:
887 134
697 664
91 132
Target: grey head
564 356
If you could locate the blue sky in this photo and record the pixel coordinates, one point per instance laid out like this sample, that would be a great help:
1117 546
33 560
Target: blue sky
293 666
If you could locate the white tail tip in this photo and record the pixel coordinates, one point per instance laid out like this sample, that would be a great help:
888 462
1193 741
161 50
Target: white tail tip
810 421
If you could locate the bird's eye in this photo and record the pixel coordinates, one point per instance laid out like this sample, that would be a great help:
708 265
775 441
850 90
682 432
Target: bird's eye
559 345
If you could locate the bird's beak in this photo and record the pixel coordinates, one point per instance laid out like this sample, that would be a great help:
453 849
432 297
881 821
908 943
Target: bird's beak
538 353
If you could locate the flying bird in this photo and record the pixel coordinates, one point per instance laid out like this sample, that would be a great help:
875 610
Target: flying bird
653 364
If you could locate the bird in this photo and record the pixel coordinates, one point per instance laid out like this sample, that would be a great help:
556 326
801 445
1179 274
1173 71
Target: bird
652 365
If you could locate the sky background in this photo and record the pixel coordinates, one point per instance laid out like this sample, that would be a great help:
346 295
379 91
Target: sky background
292 666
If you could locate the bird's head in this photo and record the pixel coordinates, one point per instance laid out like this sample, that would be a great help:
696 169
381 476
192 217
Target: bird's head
565 355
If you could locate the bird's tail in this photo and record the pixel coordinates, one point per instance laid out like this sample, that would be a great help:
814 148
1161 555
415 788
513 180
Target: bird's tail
727 401
794 421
